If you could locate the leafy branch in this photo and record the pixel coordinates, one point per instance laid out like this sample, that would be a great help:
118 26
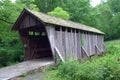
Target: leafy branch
6 21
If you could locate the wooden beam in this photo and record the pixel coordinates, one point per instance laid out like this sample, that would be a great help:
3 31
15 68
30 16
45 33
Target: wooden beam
84 52
59 54
97 50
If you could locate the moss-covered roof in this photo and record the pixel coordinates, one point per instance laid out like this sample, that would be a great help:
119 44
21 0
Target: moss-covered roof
58 21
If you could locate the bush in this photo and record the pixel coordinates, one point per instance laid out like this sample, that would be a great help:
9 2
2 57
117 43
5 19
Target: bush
103 68
11 51
4 57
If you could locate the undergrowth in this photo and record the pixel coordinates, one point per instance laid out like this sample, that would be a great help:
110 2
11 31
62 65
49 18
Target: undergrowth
105 67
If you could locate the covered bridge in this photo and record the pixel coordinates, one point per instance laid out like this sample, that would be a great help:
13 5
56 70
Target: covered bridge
43 35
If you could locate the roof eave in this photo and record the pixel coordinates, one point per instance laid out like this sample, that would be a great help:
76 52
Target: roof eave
17 21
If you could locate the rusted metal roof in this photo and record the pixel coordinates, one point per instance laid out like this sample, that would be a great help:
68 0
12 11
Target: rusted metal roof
58 21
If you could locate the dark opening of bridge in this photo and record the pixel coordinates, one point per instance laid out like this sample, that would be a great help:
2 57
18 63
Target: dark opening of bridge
35 42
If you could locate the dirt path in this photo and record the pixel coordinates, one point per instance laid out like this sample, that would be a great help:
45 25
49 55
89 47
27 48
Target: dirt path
35 76
24 67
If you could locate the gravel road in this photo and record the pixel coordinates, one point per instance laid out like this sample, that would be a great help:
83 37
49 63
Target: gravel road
34 76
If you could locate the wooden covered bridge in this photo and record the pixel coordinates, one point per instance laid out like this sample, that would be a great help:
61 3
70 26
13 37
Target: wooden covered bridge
43 35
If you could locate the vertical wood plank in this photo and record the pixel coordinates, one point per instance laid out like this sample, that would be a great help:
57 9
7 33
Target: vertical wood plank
68 46
32 21
75 43
63 44
50 32
93 43
79 45
71 46
98 43
103 44
86 41
66 43
90 49
87 36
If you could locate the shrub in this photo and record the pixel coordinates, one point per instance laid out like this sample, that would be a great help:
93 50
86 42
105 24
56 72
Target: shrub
11 51
4 57
103 68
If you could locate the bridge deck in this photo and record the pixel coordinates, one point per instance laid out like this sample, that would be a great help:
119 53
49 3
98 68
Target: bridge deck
24 67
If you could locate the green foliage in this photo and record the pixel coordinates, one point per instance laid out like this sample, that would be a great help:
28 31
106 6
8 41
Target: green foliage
47 5
106 20
10 47
24 75
28 4
4 57
114 5
102 68
78 9
59 12
115 23
10 52
9 11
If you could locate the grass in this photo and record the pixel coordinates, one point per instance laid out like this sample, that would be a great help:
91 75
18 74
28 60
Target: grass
105 67
24 75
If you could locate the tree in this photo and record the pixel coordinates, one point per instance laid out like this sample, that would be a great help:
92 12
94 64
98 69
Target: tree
114 5
108 19
28 4
47 5
102 18
115 26
10 47
78 9
59 12
9 11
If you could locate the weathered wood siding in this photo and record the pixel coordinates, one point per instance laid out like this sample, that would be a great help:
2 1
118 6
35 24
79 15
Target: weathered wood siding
29 21
79 53
51 34
70 41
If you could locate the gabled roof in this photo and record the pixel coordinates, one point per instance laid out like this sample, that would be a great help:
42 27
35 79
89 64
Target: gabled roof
56 21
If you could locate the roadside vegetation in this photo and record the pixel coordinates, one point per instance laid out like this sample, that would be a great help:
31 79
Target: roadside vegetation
106 67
